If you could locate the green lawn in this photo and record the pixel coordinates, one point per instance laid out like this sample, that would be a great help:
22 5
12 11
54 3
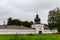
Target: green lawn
30 37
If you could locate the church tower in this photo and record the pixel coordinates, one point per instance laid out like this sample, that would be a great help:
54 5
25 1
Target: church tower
39 28
37 20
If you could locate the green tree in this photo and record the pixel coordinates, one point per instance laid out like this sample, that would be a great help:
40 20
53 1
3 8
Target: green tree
13 21
9 21
31 22
54 19
26 24
18 22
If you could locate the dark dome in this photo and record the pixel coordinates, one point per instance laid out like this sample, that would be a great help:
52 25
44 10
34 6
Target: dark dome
37 19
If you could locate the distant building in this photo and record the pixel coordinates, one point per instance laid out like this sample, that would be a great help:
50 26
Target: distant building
36 28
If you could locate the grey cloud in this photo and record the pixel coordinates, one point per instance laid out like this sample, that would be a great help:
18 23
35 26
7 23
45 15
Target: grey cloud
26 9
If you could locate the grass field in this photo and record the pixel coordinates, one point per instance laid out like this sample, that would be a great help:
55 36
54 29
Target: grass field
30 37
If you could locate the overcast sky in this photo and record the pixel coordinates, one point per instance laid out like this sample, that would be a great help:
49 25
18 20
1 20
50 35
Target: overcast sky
26 9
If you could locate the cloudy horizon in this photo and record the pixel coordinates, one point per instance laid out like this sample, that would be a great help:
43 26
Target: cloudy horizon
26 10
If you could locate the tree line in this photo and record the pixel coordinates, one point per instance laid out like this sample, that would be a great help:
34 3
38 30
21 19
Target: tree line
19 22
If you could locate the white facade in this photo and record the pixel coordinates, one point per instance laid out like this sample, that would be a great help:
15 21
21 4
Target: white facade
40 27
17 31
35 28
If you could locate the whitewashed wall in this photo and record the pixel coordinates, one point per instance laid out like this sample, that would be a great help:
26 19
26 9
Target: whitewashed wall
50 31
47 32
17 31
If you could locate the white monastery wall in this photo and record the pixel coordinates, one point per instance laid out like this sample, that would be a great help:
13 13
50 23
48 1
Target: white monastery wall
35 28
50 31
47 31
17 31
